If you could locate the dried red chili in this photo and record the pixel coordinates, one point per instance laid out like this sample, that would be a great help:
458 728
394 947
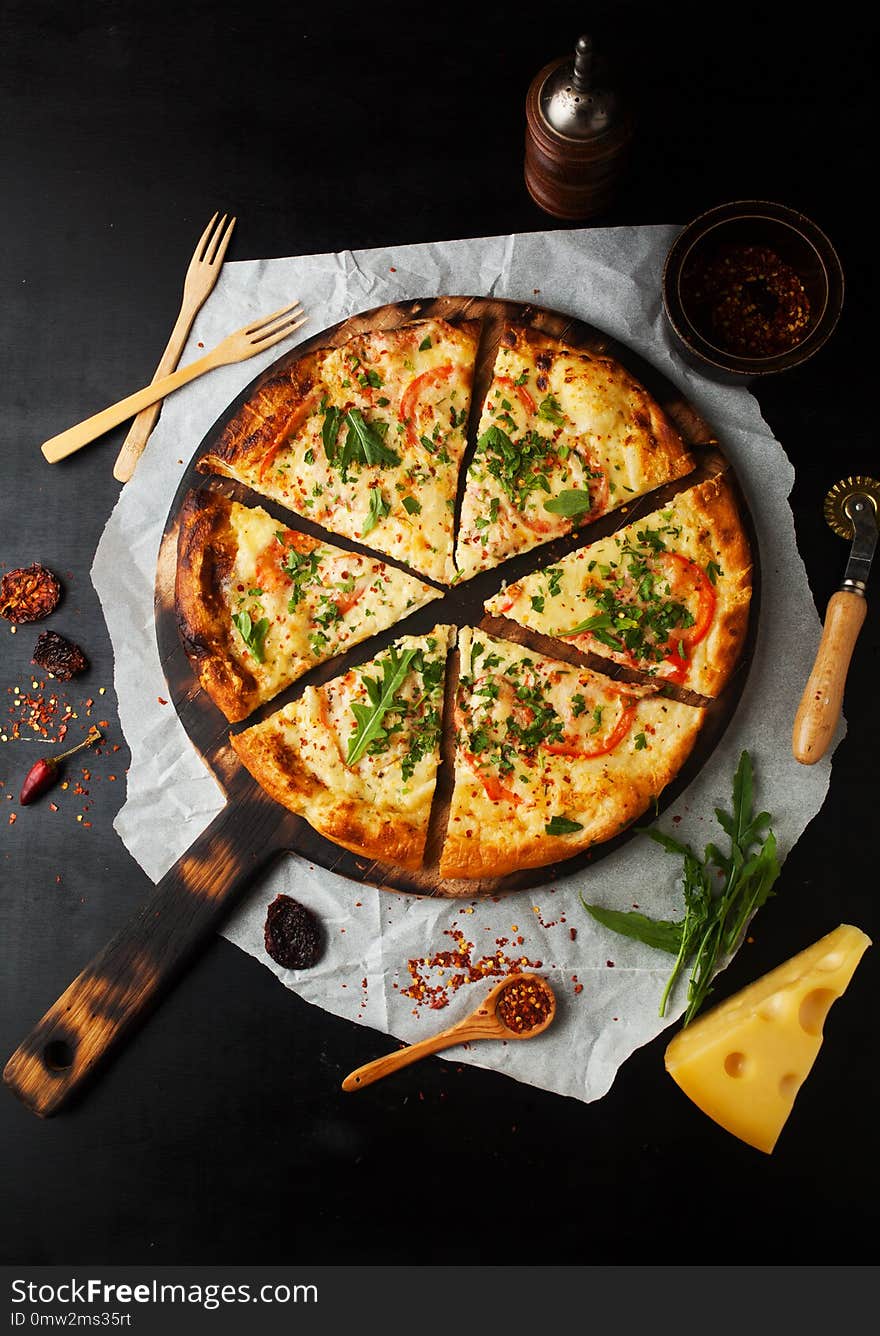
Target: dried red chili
292 934
44 772
523 1004
59 656
28 593
747 300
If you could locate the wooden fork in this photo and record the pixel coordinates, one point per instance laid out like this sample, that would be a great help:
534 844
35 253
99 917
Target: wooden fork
236 347
204 269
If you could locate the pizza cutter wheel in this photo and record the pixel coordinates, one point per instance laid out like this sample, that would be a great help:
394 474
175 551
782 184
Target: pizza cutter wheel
852 508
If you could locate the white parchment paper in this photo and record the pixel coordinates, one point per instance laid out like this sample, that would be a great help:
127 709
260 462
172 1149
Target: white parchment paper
608 987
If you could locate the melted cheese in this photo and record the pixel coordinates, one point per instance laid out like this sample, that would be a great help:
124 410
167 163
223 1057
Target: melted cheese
563 596
598 791
311 632
412 519
603 432
743 1062
319 725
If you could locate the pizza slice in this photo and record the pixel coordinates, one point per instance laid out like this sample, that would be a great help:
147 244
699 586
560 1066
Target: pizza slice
668 594
365 439
259 604
564 436
551 759
358 756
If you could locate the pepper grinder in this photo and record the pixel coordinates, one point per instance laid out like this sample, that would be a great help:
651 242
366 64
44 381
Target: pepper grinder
578 133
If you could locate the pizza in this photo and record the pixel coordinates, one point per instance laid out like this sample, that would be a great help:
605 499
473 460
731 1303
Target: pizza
358 756
564 436
259 604
668 594
365 439
551 759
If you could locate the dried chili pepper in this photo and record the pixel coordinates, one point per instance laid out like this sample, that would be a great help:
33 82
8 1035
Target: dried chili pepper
59 656
28 594
44 772
292 934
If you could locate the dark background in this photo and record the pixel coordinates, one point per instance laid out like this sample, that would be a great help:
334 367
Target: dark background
219 1134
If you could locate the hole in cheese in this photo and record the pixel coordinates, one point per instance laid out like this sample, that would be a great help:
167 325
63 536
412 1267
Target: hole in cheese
735 1064
789 1085
814 1009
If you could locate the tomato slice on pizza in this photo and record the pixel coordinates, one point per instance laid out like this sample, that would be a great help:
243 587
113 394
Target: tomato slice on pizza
357 757
365 439
259 604
564 437
551 759
667 594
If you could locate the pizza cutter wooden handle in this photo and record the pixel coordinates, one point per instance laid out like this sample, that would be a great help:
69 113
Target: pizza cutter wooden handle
138 966
822 700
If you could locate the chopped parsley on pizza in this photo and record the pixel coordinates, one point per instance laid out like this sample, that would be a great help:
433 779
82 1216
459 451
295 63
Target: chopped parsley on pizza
259 604
365 439
357 757
551 759
564 436
667 594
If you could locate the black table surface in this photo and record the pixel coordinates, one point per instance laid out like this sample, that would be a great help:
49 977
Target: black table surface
219 1134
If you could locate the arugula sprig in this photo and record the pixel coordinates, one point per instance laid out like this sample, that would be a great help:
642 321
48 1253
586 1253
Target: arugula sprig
364 441
380 693
714 920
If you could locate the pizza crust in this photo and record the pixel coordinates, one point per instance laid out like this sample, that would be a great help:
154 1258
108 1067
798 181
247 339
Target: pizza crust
205 553
279 769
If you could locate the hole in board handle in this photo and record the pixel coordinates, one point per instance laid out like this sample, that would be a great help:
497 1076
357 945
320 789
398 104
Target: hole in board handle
58 1055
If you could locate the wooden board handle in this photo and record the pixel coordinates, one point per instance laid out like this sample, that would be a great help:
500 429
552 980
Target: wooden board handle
136 968
821 703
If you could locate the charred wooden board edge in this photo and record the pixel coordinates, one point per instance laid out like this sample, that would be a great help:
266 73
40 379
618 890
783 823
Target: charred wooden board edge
208 730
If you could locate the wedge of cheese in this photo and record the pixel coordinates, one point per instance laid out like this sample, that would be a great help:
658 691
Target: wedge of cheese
744 1061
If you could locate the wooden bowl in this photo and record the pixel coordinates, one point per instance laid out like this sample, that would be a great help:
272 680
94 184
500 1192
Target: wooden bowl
795 240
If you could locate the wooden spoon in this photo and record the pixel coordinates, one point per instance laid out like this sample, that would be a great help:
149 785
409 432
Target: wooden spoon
484 1023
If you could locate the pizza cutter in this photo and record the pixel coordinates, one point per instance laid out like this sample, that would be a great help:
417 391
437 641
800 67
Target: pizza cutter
851 509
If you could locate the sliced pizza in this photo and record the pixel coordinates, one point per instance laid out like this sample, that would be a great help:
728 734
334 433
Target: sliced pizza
259 604
564 436
358 756
551 759
365 439
668 594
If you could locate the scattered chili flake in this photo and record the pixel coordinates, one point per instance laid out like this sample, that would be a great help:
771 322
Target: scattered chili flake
524 1004
292 934
456 968
28 594
161 700
58 656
